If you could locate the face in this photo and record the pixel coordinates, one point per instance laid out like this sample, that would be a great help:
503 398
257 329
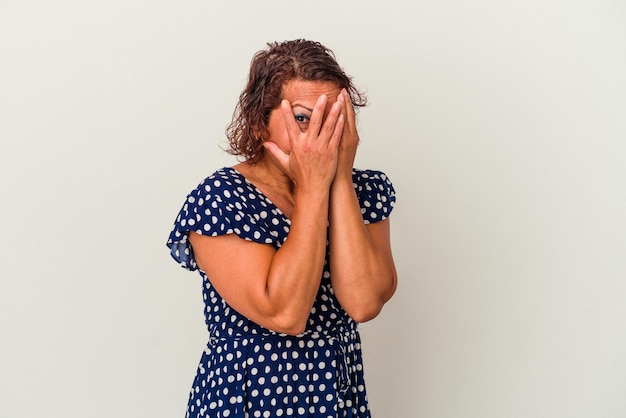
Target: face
302 95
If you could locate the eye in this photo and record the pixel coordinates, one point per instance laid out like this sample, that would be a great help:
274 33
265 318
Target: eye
301 118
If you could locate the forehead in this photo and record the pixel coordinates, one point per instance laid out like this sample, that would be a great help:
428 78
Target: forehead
307 92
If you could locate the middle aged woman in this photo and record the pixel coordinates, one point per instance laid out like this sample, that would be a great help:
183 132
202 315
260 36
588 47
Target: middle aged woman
293 246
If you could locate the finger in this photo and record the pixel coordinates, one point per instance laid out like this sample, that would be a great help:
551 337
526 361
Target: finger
317 117
330 124
337 134
349 110
278 154
290 121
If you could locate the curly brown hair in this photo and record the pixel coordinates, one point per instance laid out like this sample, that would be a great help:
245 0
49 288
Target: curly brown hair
270 70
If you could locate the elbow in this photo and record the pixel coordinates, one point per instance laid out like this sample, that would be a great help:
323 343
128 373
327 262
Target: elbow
292 330
370 305
364 312
368 308
289 325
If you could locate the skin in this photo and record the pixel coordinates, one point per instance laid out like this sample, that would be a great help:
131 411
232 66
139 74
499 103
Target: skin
307 173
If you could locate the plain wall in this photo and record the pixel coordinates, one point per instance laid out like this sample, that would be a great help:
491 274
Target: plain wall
501 123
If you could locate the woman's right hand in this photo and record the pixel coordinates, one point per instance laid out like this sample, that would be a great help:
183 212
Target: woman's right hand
312 160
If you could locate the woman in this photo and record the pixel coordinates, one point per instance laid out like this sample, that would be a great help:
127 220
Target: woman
292 244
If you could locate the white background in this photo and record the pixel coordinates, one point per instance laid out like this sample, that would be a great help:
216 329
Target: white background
501 123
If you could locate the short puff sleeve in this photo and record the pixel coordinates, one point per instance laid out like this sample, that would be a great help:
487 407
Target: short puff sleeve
221 204
376 194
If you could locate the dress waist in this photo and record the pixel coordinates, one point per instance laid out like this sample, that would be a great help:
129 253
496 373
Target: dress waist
344 343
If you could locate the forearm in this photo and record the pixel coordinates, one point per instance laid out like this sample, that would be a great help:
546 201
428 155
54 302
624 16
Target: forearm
362 275
296 269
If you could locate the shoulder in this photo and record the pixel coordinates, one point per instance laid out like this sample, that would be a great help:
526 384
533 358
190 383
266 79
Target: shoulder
225 181
364 178
222 200
225 189
223 203
375 192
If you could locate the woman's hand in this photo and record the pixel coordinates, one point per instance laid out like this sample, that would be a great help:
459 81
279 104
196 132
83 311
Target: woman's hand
312 160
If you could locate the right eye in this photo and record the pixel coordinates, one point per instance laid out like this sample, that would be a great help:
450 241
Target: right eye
300 118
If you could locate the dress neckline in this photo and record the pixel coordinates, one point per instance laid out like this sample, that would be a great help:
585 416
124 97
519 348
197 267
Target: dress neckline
258 191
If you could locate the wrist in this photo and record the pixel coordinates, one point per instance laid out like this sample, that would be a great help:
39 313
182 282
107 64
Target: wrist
343 178
311 196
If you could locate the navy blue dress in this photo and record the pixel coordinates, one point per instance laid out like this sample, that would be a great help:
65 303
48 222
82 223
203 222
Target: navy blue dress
247 370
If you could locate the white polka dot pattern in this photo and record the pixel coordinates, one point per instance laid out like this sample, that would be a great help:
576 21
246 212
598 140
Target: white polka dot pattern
247 370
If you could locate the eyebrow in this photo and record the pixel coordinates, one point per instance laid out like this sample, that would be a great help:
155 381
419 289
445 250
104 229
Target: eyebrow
299 105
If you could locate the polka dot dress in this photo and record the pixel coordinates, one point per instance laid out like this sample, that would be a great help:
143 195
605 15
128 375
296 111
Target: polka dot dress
250 371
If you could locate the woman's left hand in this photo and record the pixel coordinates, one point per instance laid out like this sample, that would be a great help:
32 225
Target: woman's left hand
349 138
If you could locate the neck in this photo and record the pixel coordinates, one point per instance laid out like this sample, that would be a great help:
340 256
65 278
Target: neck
270 179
